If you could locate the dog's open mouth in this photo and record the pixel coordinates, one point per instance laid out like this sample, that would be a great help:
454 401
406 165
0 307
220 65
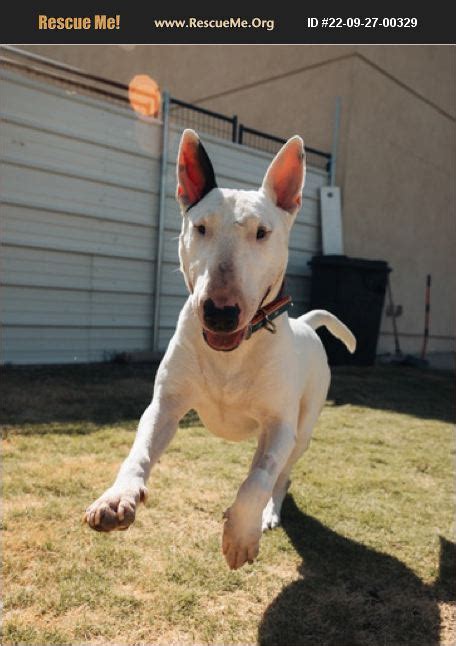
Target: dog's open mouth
224 342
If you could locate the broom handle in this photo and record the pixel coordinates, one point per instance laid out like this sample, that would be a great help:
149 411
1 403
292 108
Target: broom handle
426 316
393 316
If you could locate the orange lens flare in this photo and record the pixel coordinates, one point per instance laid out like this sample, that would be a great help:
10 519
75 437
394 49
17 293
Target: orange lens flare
144 95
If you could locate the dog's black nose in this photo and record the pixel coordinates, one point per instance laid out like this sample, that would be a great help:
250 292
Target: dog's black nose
220 319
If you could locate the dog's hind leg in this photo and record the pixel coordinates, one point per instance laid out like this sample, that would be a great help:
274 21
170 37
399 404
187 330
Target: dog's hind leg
307 419
271 513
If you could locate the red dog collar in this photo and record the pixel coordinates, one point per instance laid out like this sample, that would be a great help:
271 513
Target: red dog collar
265 315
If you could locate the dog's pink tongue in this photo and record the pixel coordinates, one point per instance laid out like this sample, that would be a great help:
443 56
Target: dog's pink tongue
224 342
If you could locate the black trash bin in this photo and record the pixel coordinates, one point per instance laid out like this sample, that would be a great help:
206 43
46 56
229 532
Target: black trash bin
354 290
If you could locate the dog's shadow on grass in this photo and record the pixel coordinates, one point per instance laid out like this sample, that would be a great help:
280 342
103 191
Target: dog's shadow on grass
351 595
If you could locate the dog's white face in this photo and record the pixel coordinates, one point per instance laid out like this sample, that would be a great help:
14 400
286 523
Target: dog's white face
233 246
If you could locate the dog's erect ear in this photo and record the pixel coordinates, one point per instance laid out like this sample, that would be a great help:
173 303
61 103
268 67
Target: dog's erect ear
284 179
195 175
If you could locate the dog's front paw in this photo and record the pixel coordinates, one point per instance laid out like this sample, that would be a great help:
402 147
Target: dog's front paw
115 509
240 544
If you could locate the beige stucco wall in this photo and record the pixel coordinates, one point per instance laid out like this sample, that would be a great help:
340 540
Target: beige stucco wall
399 199
396 150
427 70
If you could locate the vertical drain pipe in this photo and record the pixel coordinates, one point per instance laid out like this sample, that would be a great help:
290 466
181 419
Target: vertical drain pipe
161 222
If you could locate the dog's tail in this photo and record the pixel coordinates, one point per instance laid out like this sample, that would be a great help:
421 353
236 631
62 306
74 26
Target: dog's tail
317 318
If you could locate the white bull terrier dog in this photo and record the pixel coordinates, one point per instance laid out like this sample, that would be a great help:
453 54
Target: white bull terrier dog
223 360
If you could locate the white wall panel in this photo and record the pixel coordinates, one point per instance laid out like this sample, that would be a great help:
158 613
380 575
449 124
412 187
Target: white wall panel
79 207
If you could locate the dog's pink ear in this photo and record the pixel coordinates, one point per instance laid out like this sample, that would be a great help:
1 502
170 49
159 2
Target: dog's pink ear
284 179
195 175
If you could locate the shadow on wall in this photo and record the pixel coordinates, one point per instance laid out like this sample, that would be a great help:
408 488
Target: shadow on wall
351 595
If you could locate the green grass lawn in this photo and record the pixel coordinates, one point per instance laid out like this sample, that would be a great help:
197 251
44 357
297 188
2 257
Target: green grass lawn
365 556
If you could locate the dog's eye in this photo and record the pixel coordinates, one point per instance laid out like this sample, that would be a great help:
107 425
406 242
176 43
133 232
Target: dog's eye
261 233
201 229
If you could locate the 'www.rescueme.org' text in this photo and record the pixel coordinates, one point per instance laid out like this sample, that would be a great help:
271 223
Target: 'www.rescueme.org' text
214 23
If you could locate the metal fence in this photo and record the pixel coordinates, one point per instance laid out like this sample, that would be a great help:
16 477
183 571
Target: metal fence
271 144
220 125
204 120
